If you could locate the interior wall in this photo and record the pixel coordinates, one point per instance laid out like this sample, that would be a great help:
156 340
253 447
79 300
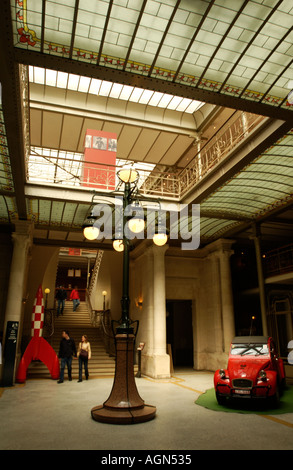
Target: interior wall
110 280
6 251
42 270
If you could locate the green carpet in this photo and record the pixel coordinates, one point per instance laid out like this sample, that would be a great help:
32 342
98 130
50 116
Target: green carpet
208 400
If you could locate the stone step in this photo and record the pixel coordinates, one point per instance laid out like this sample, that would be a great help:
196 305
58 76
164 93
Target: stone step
78 324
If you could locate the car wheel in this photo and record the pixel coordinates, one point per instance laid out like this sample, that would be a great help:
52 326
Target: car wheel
220 399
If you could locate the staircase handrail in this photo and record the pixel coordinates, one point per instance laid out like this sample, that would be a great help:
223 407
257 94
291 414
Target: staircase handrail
102 320
49 322
94 318
95 271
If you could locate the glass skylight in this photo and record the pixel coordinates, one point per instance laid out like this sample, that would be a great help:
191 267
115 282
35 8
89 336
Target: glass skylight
113 90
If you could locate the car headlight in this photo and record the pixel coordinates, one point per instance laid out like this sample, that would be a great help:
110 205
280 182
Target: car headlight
222 373
262 375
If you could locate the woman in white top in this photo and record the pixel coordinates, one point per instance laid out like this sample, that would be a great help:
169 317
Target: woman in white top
83 354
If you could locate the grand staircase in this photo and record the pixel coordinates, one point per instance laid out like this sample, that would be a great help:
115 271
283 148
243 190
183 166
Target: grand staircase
78 324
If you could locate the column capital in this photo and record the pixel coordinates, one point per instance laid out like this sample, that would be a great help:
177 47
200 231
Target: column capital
23 234
219 247
23 227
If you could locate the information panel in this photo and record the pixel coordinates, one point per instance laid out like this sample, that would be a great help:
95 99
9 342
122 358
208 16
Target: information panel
9 353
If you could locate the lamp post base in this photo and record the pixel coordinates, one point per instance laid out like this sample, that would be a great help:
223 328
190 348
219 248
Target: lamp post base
128 416
124 405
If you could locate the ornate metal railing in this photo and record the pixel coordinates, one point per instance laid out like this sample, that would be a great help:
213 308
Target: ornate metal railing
279 261
95 272
217 149
49 322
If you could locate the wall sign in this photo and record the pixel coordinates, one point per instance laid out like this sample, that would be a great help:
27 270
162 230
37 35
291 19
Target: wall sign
9 353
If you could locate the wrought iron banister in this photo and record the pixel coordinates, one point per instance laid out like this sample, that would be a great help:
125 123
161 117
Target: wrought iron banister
239 126
94 318
279 261
49 322
95 272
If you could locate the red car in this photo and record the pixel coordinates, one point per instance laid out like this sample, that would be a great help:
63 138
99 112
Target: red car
254 371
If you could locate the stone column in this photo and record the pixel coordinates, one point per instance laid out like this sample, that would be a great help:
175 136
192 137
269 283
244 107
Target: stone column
148 300
160 356
227 297
22 242
261 283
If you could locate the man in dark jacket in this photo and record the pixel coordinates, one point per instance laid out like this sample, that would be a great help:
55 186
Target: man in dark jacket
61 296
67 349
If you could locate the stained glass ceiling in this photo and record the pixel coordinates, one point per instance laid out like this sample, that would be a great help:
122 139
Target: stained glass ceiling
239 48
170 53
265 183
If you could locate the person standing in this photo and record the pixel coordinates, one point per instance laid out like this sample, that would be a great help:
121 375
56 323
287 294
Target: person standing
67 349
74 296
84 354
61 296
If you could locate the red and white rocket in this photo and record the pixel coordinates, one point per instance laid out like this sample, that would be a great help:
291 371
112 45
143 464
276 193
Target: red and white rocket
38 348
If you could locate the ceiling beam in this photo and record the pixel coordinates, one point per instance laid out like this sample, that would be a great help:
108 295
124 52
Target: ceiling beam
265 61
231 25
12 103
104 31
142 8
264 23
193 38
164 37
93 245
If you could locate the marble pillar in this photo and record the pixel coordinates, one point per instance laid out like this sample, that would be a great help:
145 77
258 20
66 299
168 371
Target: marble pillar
219 252
155 362
261 284
22 242
227 297
161 360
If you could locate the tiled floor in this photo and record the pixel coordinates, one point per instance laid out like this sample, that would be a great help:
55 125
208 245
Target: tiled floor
43 415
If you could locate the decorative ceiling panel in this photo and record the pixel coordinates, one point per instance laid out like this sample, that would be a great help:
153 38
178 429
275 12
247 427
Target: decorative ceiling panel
6 178
8 209
50 213
240 48
211 228
263 185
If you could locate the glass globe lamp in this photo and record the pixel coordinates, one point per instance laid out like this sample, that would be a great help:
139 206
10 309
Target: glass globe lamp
128 174
118 245
160 239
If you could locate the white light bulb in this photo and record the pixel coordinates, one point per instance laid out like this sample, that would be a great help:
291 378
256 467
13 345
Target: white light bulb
136 225
118 245
160 239
91 233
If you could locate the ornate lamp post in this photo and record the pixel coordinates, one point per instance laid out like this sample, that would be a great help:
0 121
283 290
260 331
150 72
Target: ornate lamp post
124 405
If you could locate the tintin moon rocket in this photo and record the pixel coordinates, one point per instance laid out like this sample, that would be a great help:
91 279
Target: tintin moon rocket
38 348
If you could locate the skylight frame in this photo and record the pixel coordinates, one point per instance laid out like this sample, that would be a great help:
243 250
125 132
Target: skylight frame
113 90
